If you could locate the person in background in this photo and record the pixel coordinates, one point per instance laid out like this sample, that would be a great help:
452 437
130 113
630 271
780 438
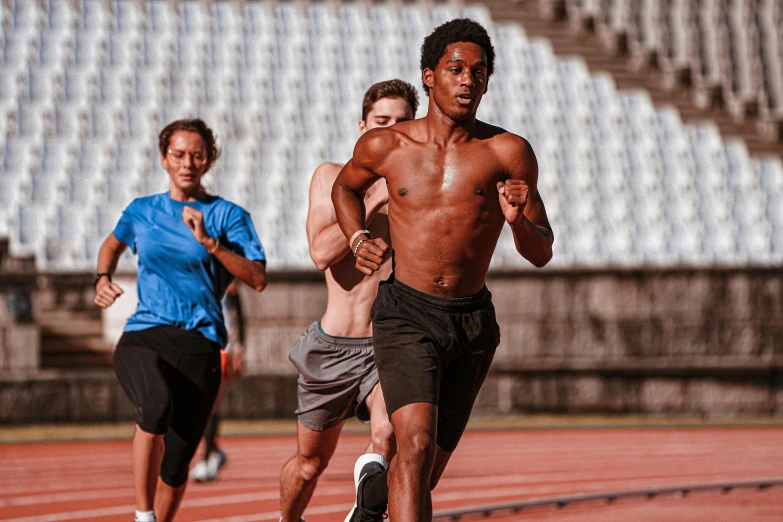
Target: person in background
334 357
232 366
190 246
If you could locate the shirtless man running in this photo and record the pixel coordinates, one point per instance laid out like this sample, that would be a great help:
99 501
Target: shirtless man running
453 182
337 374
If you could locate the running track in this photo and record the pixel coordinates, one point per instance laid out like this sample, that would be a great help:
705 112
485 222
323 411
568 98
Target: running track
58 481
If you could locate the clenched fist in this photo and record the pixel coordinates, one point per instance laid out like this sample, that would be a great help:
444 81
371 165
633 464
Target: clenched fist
106 293
371 254
513 195
194 219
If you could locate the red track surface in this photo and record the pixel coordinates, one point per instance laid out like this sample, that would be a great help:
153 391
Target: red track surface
48 482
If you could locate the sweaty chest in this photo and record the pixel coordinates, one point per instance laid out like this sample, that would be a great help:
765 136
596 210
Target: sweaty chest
444 179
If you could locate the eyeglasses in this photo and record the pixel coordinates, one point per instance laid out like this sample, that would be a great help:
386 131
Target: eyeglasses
180 156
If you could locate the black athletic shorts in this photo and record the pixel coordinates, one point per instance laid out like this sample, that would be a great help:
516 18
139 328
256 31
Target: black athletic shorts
433 349
172 376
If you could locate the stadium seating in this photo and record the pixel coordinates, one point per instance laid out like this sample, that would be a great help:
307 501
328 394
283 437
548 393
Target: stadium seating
730 49
85 87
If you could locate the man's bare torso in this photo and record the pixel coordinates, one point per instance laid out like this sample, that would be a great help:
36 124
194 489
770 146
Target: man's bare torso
351 293
445 217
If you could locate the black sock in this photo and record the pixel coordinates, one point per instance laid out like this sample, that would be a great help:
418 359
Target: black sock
375 493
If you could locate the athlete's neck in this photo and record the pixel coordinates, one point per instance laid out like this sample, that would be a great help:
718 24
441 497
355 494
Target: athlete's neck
443 130
195 194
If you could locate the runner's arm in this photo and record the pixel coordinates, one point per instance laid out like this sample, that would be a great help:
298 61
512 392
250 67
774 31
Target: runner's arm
325 239
533 236
355 178
109 254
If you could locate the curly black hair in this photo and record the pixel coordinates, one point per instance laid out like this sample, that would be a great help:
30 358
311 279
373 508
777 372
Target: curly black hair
457 30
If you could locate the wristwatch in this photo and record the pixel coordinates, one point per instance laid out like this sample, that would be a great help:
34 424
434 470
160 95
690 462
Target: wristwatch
98 278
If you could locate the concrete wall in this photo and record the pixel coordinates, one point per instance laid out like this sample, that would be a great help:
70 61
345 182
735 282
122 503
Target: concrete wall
666 341
649 321
96 396
20 337
682 342
643 321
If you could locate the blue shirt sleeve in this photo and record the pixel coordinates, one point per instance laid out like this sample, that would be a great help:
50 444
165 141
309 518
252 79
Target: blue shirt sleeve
124 231
241 236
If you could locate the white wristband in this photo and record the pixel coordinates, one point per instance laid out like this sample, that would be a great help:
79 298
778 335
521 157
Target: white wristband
355 235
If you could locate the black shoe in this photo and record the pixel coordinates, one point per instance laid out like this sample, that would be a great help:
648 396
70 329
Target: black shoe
362 512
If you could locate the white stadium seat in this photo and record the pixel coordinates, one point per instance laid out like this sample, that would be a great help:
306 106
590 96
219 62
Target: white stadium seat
86 87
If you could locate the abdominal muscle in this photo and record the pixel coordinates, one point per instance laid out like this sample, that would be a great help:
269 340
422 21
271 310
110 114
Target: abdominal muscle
449 281
445 253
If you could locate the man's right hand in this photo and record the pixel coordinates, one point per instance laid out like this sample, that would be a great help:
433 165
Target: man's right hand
371 254
106 293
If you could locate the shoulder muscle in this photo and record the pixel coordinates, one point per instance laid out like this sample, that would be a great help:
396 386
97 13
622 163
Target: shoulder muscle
374 146
520 160
325 174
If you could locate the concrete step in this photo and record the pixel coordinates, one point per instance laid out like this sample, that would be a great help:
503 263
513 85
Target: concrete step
75 351
72 338
56 311
71 327
71 344
76 360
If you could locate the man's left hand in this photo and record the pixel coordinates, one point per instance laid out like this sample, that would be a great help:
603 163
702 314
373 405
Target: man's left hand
513 198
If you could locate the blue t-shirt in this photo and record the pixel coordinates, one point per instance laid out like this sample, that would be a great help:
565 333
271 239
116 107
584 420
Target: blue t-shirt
179 282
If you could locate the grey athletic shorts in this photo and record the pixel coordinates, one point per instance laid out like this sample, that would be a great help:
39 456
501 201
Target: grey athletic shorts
336 374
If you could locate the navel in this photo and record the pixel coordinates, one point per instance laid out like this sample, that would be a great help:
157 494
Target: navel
402 192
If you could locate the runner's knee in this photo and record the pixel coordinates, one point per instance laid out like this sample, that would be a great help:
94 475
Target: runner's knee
175 463
181 442
382 437
311 468
418 447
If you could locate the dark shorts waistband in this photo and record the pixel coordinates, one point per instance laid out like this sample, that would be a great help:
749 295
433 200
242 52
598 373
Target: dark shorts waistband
446 304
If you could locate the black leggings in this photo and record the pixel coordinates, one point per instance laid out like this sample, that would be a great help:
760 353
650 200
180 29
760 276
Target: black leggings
210 435
173 377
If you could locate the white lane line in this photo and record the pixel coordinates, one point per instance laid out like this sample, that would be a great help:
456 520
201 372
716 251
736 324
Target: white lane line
538 483
275 515
31 500
44 486
72 515
88 494
114 456
187 503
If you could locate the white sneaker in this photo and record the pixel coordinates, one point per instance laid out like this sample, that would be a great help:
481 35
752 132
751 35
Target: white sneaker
365 464
216 460
199 472
207 470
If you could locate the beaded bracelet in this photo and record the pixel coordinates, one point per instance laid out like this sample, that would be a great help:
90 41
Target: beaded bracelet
356 234
356 250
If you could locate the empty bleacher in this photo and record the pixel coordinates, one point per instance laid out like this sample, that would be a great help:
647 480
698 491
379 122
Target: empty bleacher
86 86
728 49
